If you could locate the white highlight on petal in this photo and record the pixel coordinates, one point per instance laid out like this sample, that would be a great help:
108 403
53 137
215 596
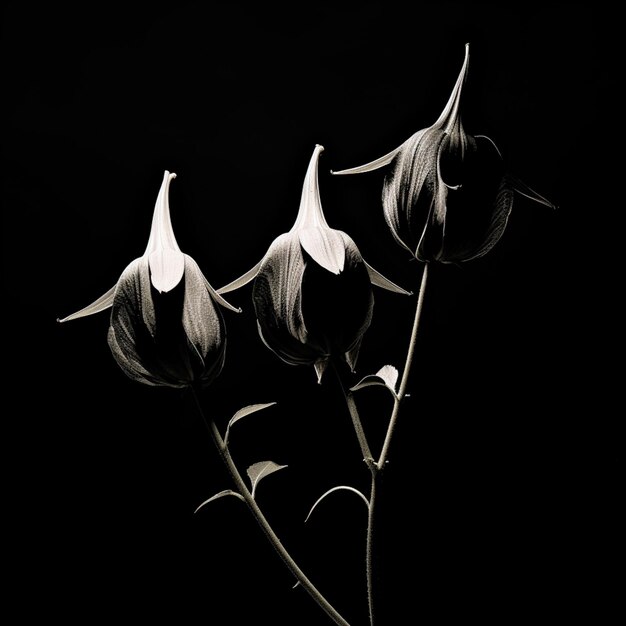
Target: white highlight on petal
167 263
166 269
324 244
450 114
161 232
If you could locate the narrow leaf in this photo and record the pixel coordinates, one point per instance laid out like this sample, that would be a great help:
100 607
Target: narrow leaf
347 488
221 494
252 408
260 470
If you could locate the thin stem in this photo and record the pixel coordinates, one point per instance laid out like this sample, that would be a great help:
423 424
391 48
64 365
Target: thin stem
405 374
262 521
356 422
369 550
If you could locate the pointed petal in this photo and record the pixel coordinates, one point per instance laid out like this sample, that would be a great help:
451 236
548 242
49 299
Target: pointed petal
320 367
277 299
352 355
522 188
468 221
325 246
310 213
449 119
202 321
189 262
241 281
221 301
162 233
166 260
380 281
102 303
167 267
408 189
133 322
372 165
502 207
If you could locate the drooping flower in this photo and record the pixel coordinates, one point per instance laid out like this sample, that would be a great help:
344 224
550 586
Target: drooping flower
312 291
447 195
165 327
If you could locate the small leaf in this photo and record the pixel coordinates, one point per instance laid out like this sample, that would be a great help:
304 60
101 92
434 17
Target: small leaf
252 408
226 492
387 376
260 470
358 493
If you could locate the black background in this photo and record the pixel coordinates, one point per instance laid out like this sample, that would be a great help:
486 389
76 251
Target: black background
501 500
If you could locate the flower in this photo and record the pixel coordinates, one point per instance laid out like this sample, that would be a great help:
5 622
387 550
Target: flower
165 328
312 290
447 196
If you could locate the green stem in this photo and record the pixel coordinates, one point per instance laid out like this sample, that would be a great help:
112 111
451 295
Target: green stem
405 374
263 523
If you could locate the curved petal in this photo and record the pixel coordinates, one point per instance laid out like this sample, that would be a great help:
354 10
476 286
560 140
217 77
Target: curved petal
408 189
310 213
372 165
476 213
325 246
133 322
277 300
135 283
167 267
161 232
202 321
379 280
450 120
102 303
167 264
241 281
338 308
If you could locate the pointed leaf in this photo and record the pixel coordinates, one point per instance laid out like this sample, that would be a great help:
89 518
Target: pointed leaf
251 408
387 376
347 488
221 494
260 470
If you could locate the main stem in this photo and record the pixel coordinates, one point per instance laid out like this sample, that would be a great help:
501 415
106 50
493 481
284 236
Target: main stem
377 466
262 521
407 369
